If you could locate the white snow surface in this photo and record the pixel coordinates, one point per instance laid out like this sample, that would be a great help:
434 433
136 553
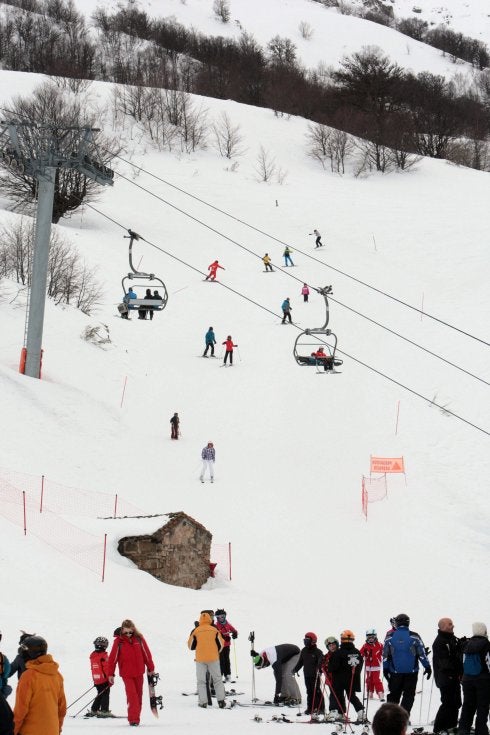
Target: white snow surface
292 445
334 35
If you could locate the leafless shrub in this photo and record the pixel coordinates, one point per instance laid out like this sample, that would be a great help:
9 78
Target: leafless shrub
306 31
266 165
97 334
221 9
227 137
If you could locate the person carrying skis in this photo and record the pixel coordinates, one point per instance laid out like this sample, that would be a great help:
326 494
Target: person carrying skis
213 269
210 341
402 651
98 663
372 653
227 632
207 643
266 260
287 256
318 241
228 349
282 658
174 426
344 668
310 660
208 456
131 653
476 682
286 310
40 704
447 660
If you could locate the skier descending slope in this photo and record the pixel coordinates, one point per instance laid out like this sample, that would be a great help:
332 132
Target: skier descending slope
213 269
208 456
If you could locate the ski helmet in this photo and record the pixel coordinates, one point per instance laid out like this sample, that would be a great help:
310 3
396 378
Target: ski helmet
371 633
312 637
101 643
402 619
331 640
33 647
347 636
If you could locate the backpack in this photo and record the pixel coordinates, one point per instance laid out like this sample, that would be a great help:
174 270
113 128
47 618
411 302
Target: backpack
402 652
472 664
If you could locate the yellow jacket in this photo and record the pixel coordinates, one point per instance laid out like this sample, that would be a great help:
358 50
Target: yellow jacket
40 704
205 640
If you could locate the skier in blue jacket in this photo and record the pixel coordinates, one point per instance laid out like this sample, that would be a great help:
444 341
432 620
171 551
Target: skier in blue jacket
286 310
210 340
402 651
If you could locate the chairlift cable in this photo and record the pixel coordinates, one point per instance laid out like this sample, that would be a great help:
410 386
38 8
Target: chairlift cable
269 311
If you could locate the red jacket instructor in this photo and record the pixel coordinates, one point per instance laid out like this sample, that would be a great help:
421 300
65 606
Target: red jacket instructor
131 653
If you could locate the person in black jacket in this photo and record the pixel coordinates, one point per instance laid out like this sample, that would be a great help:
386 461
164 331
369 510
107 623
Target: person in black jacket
282 658
18 665
6 717
344 667
447 661
174 426
476 682
310 660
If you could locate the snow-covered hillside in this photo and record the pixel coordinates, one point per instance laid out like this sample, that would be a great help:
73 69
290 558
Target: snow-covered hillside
292 444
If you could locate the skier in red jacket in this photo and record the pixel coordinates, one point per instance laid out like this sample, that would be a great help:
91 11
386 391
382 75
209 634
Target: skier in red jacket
213 268
372 652
99 661
131 653
228 349
227 631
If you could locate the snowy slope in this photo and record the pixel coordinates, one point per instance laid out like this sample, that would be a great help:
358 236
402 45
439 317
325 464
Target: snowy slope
291 444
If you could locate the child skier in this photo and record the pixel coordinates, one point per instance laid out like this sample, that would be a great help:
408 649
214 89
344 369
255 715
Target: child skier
99 666
310 660
228 349
305 292
372 652
227 630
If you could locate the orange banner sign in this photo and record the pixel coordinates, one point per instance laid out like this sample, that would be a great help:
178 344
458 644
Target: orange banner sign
384 465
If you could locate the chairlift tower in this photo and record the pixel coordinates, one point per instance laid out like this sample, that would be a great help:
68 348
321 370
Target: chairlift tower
40 151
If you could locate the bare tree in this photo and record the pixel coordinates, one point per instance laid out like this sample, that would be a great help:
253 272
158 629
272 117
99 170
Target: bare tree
318 138
227 137
49 105
305 30
266 165
221 9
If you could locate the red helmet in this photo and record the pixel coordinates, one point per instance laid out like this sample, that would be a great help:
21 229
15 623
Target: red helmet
311 636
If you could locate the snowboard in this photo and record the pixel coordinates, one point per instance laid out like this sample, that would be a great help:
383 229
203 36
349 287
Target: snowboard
155 700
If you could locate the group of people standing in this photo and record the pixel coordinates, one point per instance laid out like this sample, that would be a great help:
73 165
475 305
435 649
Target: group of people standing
459 663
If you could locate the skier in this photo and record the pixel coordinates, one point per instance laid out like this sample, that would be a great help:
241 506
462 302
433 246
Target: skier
131 653
318 242
287 256
208 456
306 292
6 717
40 704
227 632
447 660
310 660
372 653
476 682
321 358
286 310
282 658
98 664
210 340
125 306
174 426
18 664
213 269
332 645
267 262
344 667
402 651
228 350
5 688
207 642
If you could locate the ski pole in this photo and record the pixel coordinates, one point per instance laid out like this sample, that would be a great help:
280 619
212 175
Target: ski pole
92 700
251 638
234 658
238 350
421 700
79 698
430 698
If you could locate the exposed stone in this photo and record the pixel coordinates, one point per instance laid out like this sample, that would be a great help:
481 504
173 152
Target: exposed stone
178 553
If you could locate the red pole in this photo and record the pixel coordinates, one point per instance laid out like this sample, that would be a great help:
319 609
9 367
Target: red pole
25 517
42 494
229 557
124 390
115 506
103 561
397 415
